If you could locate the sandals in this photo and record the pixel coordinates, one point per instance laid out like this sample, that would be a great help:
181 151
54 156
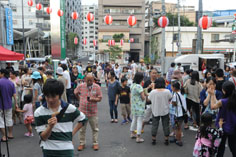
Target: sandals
139 140
154 142
10 137
112 121
3 140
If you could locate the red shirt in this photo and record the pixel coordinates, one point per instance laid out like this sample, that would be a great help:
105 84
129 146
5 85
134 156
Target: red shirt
88 108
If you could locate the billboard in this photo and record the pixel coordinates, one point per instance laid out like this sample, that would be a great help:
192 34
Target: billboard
9 26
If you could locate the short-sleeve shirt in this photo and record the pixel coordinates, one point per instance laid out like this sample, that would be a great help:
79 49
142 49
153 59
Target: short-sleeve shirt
137 104
59 142
29 110
66 74
124 94
89 69
179 110
160 102
37 87
112 90
7 90
88 108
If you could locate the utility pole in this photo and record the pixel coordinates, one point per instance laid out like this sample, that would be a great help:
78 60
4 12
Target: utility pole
199 30
150 29
179 35
163 41
23 29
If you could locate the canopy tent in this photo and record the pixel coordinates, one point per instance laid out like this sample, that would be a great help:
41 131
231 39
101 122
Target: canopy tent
8 55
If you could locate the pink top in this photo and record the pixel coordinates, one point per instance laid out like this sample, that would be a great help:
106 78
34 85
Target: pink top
29 110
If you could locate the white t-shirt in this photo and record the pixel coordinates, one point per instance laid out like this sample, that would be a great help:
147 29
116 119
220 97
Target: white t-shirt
66 74
117 72
179 112
160 102
134 66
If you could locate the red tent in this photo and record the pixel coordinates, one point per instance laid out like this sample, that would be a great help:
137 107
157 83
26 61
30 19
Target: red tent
8 55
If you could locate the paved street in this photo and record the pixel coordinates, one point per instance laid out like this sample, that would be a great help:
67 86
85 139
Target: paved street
114 141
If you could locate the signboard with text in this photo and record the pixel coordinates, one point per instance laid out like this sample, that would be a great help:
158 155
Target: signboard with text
9 26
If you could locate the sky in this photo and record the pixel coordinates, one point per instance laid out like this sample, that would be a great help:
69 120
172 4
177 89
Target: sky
207 4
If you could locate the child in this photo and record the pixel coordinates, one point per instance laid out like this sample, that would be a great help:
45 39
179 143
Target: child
179 102
124 93
28 114
208 139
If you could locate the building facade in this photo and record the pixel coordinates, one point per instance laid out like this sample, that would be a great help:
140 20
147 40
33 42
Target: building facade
120 11
89 29
213 41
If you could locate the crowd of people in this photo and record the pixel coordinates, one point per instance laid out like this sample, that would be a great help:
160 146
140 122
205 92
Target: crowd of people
182 99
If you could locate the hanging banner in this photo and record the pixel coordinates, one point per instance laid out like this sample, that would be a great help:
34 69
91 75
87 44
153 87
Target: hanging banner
58 37
63 30
9 26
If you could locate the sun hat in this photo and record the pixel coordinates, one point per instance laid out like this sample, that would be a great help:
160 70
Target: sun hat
59 71
36 75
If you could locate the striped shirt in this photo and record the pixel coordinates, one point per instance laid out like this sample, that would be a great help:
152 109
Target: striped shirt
60 141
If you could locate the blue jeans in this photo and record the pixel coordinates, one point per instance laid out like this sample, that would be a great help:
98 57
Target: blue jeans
113 108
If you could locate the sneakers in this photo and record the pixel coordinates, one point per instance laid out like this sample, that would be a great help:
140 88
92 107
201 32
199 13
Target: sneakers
27 134
31 135
124 122
129 119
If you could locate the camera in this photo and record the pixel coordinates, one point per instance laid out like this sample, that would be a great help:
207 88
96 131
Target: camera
88 98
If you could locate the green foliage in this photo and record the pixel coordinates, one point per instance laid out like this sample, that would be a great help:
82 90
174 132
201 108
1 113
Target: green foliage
117 37
115 52
173 20
70 41
147 60
214 24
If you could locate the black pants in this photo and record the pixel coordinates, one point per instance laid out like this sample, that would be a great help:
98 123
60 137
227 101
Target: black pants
195 110
68 95
113 108
231 143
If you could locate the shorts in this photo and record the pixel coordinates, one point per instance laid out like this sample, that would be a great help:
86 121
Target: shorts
8 115
29 120
179 120
148 113
125 109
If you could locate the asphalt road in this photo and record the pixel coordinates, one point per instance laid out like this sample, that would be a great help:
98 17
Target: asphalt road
114 141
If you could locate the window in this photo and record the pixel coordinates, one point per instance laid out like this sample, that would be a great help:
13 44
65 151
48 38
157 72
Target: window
14 8
107 37
14 22
215 37
29 9
106 10
175 37
136 40
31 22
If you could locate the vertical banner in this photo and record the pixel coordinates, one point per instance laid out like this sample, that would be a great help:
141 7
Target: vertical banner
55 30
9 26
63 30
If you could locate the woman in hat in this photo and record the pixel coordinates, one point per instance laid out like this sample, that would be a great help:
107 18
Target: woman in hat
37 89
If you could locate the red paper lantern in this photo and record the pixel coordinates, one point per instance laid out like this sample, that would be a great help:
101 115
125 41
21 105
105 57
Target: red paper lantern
75 40
39 6
49 10
90 17
205 22
108 19
121 42
60 12
30 3
163 21
132 20
94 42
131 40
74 15
84 41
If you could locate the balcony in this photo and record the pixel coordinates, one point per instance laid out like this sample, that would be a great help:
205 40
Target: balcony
44 26
136 46
43 2
104 46
42 14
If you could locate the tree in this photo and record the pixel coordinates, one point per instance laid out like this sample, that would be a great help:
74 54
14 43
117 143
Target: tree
70 41
115 52
173 20
117 37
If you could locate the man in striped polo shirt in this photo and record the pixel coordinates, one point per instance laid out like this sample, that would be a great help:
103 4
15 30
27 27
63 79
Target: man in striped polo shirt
54 122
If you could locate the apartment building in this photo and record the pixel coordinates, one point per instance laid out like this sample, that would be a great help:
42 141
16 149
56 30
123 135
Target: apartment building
89 29
120 11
